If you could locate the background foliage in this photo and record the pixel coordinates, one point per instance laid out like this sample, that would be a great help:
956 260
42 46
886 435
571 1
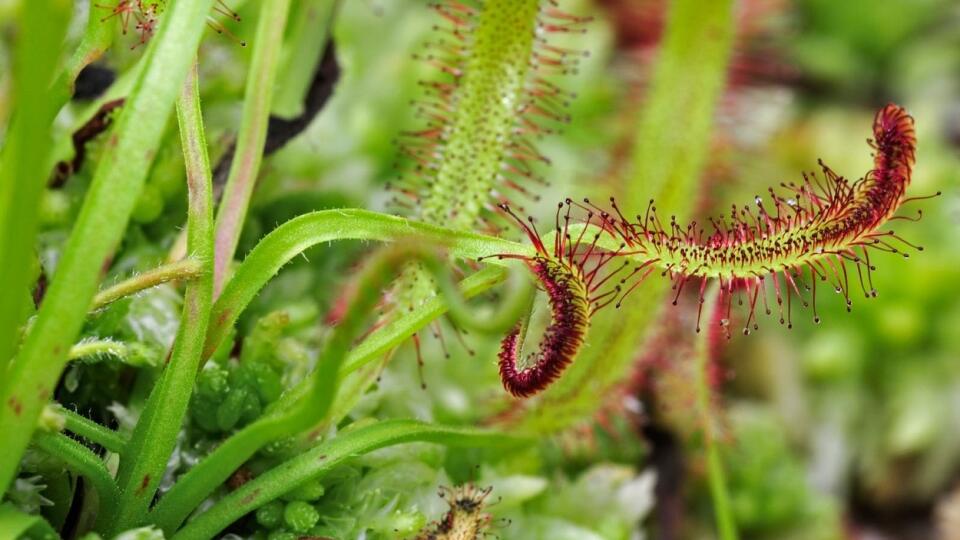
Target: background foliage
845 429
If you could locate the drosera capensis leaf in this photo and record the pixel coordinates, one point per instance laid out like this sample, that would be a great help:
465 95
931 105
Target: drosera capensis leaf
116 184
494 97
688 76
576 277
818 228
814 232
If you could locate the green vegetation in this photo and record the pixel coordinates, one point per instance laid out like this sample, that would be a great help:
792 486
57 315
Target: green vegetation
259 260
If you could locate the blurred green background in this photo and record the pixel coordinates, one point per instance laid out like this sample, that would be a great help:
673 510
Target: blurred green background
846 429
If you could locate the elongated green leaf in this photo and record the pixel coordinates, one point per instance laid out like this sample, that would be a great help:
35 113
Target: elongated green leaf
146 455
251 136
324 457
293 237
25 151
117 182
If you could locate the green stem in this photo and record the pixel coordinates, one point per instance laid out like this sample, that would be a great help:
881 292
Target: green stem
117 182
252 135
300 233
23 160
518 299
324 457
86 349
81 460
146 455
92 431
200 481
182 270
91 351
726 526
393 334
310 24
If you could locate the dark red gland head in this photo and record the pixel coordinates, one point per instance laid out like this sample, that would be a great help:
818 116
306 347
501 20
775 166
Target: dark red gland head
578 279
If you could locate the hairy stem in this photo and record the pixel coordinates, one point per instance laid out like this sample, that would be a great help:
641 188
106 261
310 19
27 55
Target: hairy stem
310 26
81 460
324 457
182 270
293 237
109 202
98 347
396 332
252 135
92 431
147 453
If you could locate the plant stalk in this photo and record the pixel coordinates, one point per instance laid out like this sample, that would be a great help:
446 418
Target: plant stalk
182 270
117 183
716 478
252 135
22 162
90 430
146 455
81 460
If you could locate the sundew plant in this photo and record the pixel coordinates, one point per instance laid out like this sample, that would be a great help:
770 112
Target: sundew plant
462 269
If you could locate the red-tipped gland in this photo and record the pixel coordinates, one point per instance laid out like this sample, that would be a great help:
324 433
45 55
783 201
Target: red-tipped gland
789 243
146 14
437 158
569 320
577 280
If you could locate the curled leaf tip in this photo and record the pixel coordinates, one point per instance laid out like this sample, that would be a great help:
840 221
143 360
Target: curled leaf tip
577 278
